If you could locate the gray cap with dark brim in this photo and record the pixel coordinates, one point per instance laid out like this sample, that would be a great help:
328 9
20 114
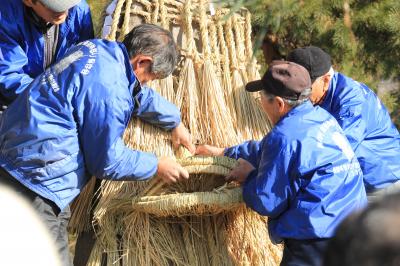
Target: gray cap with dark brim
59 5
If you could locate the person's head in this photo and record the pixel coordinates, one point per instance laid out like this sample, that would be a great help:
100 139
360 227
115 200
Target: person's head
152 51
284 86
51 11
370 237
319 66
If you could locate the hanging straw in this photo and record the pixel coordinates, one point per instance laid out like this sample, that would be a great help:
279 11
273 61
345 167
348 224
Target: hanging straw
216 115
187 92
251 121
226 71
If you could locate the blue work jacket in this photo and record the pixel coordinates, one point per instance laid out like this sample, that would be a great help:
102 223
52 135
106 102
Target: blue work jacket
307 178
369 129
68 124
22 44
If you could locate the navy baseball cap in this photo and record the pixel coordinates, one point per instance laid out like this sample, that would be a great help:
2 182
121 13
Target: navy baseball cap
313 58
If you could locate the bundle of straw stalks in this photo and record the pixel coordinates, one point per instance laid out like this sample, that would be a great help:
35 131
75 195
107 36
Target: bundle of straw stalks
200 221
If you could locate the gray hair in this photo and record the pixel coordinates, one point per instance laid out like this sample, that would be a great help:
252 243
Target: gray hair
154 41
303 97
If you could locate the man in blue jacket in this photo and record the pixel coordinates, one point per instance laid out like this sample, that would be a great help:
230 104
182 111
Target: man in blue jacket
68 124
362 116
303 175
35 34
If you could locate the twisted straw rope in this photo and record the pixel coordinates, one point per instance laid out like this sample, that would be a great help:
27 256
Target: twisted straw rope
147 4
248 43
203 30
240 44
184 204
155 12
216 56
187 24
127 17
208 160
174 3
146 15
238 28
195 165
231 44
163 14
190 203
114 25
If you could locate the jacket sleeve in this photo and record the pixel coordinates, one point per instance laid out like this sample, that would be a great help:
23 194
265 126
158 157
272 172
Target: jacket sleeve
352 119
13 79
249 150
106 156
86 31
268 189
156 110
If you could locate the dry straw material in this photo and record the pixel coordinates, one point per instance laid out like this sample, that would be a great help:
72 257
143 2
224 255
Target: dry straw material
200 221
185 204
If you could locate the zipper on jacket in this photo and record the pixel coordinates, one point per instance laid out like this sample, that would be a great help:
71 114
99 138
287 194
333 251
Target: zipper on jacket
50 36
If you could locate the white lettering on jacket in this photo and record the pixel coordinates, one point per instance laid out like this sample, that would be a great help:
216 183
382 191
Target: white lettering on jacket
92 57
353 168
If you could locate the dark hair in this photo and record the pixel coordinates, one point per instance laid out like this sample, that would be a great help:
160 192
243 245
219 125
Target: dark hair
154 41
370 237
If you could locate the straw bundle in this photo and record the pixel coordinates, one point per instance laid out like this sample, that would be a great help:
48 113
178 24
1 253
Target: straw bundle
187 99
195 203
199 221
80 209
251 122
212 104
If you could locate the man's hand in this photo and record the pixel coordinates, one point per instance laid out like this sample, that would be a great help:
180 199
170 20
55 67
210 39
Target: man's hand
209 150
170 171
181 136
240 172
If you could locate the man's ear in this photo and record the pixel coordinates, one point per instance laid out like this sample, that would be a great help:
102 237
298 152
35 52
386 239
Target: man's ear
28 3
326 79
280 104
142 63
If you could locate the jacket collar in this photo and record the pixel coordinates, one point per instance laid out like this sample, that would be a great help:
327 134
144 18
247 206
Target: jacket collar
134 84
307 105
